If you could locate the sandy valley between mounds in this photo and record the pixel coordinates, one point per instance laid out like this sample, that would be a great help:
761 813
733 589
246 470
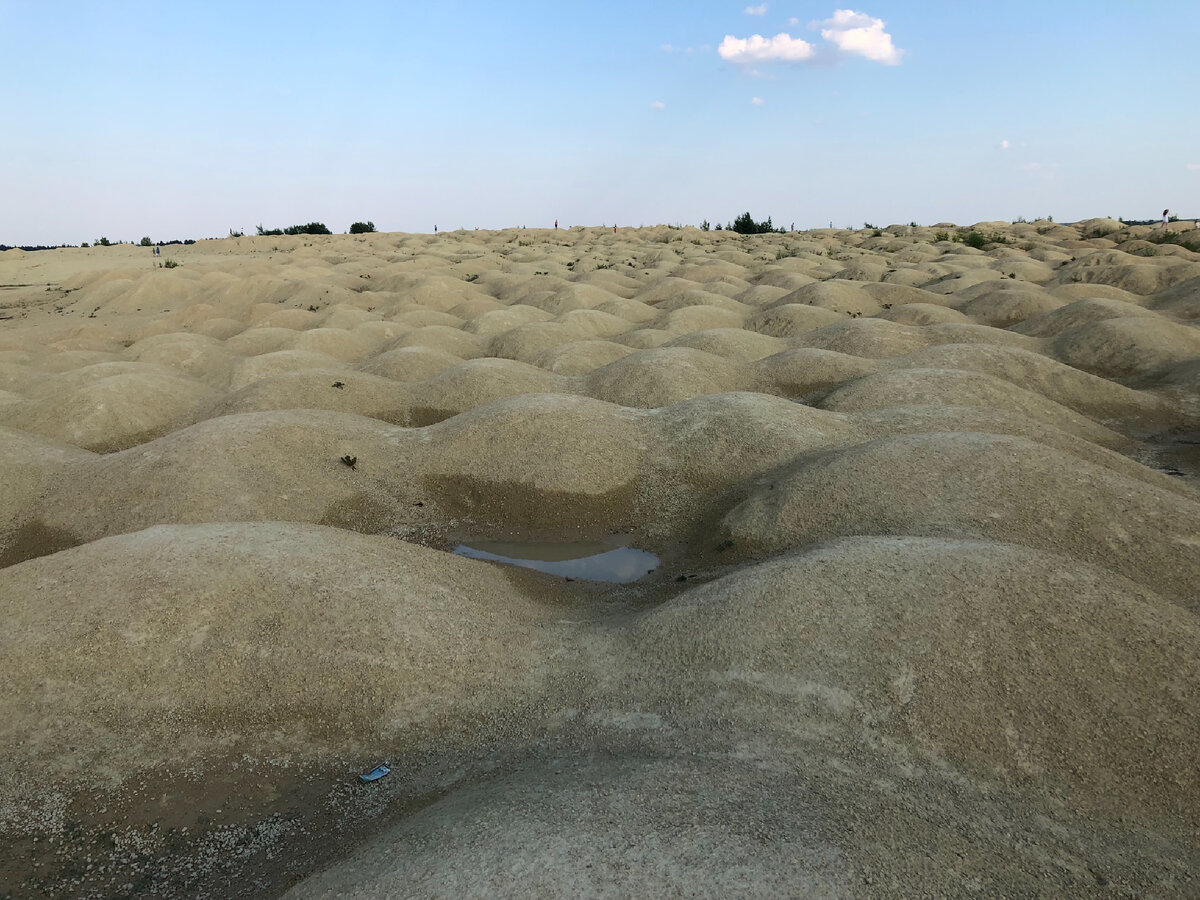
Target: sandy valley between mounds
926 620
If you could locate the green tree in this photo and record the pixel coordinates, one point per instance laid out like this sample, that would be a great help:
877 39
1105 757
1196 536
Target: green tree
146 242
362 228
745 224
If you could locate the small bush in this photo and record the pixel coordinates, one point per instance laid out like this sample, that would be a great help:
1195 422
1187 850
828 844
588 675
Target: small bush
745 224
103 242
170 264
362 228
976 240
146 242
941 236
704 226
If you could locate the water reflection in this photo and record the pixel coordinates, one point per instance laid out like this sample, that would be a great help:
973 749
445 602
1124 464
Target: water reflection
586 561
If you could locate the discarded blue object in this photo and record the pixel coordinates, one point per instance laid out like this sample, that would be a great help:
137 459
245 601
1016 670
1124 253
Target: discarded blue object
375 774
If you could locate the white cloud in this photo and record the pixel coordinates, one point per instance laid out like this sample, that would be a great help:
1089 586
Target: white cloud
793 21
757 101
1004 145
756 49
658 104
857 34
847 33
1195 167
667 48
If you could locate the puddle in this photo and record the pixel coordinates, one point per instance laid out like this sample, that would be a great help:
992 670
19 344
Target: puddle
587 561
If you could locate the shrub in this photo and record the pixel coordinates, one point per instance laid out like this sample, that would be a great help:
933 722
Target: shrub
310 228
85 244
146 242
103 242
704 226
170 264
941 236
976 240
362 228
745 224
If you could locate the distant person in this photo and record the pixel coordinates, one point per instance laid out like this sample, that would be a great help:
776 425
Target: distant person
556 224
435 229
614 229
1166 217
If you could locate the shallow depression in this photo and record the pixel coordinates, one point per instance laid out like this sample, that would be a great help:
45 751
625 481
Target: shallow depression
589 561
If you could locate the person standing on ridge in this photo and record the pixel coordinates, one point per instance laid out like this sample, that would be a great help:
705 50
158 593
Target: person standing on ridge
556 224
1166 217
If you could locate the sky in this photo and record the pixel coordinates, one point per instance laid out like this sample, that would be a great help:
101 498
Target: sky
186 120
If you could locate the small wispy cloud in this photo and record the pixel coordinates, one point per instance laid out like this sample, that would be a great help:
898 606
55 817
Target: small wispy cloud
758 49
847 33
667 48
757 101
1004 145
658 104
1194 167
1045 170
756 10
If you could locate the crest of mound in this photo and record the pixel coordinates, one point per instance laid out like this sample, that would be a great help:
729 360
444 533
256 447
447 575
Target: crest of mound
663 376
806 372
633 311
478 382
342 345
610 827
731 343
1128 347
926 419
103 408
958 387
260 340
995 487
922 314
527 342
420 317
791 320
1182 300
575 296
1095 397
313 388
409 363
255 368
1147 276
687 319
1005 303
498 321
1012 662
868 338
1081 312
580 357
31 465
444 338
841 297
203 358
263 637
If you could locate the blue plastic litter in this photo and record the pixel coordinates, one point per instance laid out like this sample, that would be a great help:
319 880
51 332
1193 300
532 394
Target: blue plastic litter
375 774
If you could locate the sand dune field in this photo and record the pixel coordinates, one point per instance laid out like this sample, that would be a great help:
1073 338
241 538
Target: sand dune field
923 617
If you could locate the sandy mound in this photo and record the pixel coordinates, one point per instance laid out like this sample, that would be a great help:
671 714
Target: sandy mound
231 633
952 387
974 651
979 485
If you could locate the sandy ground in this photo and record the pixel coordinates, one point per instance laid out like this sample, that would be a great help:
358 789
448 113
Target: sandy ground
925 620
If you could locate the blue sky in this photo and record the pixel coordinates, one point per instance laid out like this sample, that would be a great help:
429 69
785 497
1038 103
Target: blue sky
172 120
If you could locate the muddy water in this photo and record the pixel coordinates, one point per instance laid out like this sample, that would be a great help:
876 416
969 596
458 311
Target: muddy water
585 560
